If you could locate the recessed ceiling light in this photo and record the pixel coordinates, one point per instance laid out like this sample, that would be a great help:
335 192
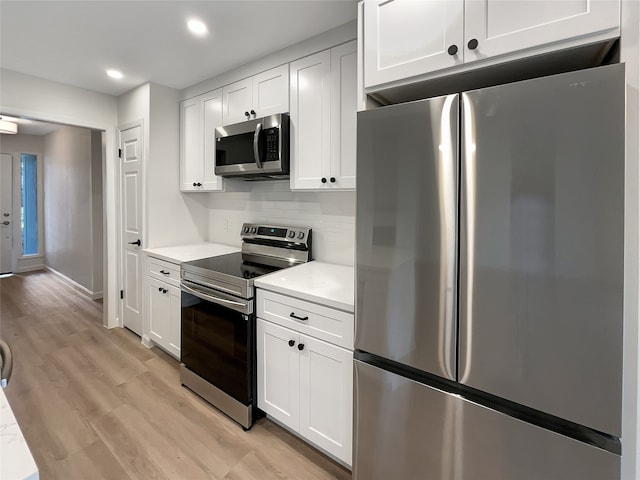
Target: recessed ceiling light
197 27
115 74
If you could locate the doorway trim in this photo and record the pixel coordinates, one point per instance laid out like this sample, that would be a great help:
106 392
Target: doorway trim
110 314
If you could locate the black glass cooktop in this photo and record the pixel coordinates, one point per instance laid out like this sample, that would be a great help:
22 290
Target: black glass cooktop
233 264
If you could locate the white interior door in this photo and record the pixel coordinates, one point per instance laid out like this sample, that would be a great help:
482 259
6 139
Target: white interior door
131 226
6 214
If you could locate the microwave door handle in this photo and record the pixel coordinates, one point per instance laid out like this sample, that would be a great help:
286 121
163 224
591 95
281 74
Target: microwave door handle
256 149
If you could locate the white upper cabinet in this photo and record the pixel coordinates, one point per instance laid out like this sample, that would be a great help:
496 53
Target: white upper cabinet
271 91
405 38
310 147
344 60
323 119
409 38
199 117
498 27
238 98
259 96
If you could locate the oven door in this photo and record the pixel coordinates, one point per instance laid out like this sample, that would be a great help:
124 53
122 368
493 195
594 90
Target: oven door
218 336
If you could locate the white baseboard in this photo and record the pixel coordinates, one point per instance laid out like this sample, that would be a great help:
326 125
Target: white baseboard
29 268
147 342
76 285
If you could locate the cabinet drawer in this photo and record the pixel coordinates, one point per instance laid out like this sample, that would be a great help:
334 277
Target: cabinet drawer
328 324
163 270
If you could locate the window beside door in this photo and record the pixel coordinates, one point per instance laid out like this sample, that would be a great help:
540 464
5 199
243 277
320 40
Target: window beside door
29 204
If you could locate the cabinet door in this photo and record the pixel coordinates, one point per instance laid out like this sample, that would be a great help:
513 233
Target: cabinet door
212 112
236 101
190 144
343 116
310 121
405 38
278 373
502 27
271 92
159 312
326 396
175 322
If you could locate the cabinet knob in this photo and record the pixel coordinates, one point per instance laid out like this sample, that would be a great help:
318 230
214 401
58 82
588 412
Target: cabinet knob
246 114
195 184
323 180
198 184
332 179
253 112
301 346
159 289
452 50
292 343
473 44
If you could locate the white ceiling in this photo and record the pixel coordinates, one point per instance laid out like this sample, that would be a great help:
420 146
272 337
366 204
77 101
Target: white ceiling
74 42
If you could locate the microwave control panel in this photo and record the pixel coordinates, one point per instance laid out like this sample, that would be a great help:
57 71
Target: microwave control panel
272 143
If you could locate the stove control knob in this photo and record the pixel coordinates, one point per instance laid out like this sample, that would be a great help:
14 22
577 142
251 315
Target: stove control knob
246 229
301 235
253 230
292 234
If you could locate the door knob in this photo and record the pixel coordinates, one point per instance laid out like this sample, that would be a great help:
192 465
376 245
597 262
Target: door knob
137 242
6 222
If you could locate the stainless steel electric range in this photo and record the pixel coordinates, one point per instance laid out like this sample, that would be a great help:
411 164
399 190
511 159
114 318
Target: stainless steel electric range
218 359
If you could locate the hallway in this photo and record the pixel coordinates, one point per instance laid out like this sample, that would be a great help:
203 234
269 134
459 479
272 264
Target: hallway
95 403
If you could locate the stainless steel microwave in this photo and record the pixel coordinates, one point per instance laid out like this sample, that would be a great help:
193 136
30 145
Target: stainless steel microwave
255 149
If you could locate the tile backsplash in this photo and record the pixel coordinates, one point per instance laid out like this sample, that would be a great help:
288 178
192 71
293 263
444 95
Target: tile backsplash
331 215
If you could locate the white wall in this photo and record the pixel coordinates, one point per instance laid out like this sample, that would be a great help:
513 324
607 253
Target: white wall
331 215
630 54
173 217
55 102
69 176
14 145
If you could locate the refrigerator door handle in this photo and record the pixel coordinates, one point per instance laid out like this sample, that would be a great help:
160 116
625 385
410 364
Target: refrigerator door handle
448 173
467 235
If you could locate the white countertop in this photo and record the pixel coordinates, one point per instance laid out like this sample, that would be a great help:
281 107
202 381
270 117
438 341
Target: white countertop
16 461
318 282
186 253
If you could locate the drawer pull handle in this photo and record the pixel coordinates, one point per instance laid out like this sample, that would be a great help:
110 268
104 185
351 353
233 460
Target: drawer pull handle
165 273
293 315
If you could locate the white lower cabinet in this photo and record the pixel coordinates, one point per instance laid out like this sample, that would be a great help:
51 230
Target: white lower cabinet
163 305
307 385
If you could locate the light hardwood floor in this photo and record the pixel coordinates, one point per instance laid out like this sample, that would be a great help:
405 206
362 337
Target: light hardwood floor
96 404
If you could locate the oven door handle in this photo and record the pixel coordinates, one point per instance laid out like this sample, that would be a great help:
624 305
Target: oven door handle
237 306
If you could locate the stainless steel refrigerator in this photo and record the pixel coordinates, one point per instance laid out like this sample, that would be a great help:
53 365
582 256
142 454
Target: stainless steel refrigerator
489 280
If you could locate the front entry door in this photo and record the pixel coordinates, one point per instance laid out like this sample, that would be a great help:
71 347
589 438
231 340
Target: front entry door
6 214
131 225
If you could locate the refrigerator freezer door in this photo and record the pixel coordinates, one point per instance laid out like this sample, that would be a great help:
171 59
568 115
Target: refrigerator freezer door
406 231
408 430
541 240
